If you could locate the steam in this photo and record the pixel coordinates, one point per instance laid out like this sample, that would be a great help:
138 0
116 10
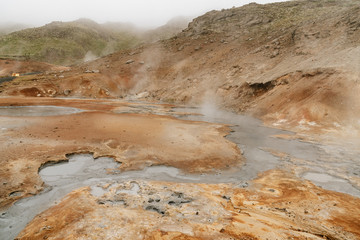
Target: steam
110 48
89 56
150 60
211 107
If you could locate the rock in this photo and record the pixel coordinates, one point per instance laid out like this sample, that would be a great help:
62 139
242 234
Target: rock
130 61
275 53
142 62
61 76
181 48
197 48
92 71
67 92
142 95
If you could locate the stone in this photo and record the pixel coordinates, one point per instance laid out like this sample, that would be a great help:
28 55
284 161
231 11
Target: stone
67 92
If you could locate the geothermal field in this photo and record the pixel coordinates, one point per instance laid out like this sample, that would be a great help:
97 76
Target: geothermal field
242 124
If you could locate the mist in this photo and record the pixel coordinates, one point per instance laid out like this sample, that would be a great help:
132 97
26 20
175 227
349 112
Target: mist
139 12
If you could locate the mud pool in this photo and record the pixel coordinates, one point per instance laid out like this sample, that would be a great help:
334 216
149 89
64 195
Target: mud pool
24 111
327 166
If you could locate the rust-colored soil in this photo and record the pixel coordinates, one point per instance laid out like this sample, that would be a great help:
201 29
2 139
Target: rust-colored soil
8 67
293 64
276 206
135 140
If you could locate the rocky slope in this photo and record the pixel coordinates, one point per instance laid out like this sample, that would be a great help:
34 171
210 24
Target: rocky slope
293 64
170 29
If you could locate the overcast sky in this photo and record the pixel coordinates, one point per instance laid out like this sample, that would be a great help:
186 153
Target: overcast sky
147 13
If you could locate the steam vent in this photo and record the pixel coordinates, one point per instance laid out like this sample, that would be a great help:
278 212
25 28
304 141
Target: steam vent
241 123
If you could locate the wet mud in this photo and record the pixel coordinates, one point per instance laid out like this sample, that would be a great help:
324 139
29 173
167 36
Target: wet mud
102 180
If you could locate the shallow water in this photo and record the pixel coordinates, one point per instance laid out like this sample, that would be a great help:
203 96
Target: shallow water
323 165
26 111
254 139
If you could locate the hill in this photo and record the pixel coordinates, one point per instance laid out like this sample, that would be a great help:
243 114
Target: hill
9 27
170 29
293 64
66 42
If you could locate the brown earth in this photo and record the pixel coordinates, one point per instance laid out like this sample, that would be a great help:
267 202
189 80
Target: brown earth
275 206
293 64
135 140
9 66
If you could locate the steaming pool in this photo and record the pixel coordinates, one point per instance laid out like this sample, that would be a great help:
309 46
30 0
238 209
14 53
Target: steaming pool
324 165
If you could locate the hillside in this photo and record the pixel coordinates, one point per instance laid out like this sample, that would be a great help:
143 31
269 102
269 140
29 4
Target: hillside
9 27
148 134
293 64
66 42
170 29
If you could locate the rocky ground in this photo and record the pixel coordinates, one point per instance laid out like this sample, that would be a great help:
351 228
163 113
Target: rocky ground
293 65
275 206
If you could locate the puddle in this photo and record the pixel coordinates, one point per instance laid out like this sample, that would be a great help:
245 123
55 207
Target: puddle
331 182
32 111
79 167
251 137
321 177
62 178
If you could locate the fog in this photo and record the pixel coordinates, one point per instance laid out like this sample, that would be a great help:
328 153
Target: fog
143 13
